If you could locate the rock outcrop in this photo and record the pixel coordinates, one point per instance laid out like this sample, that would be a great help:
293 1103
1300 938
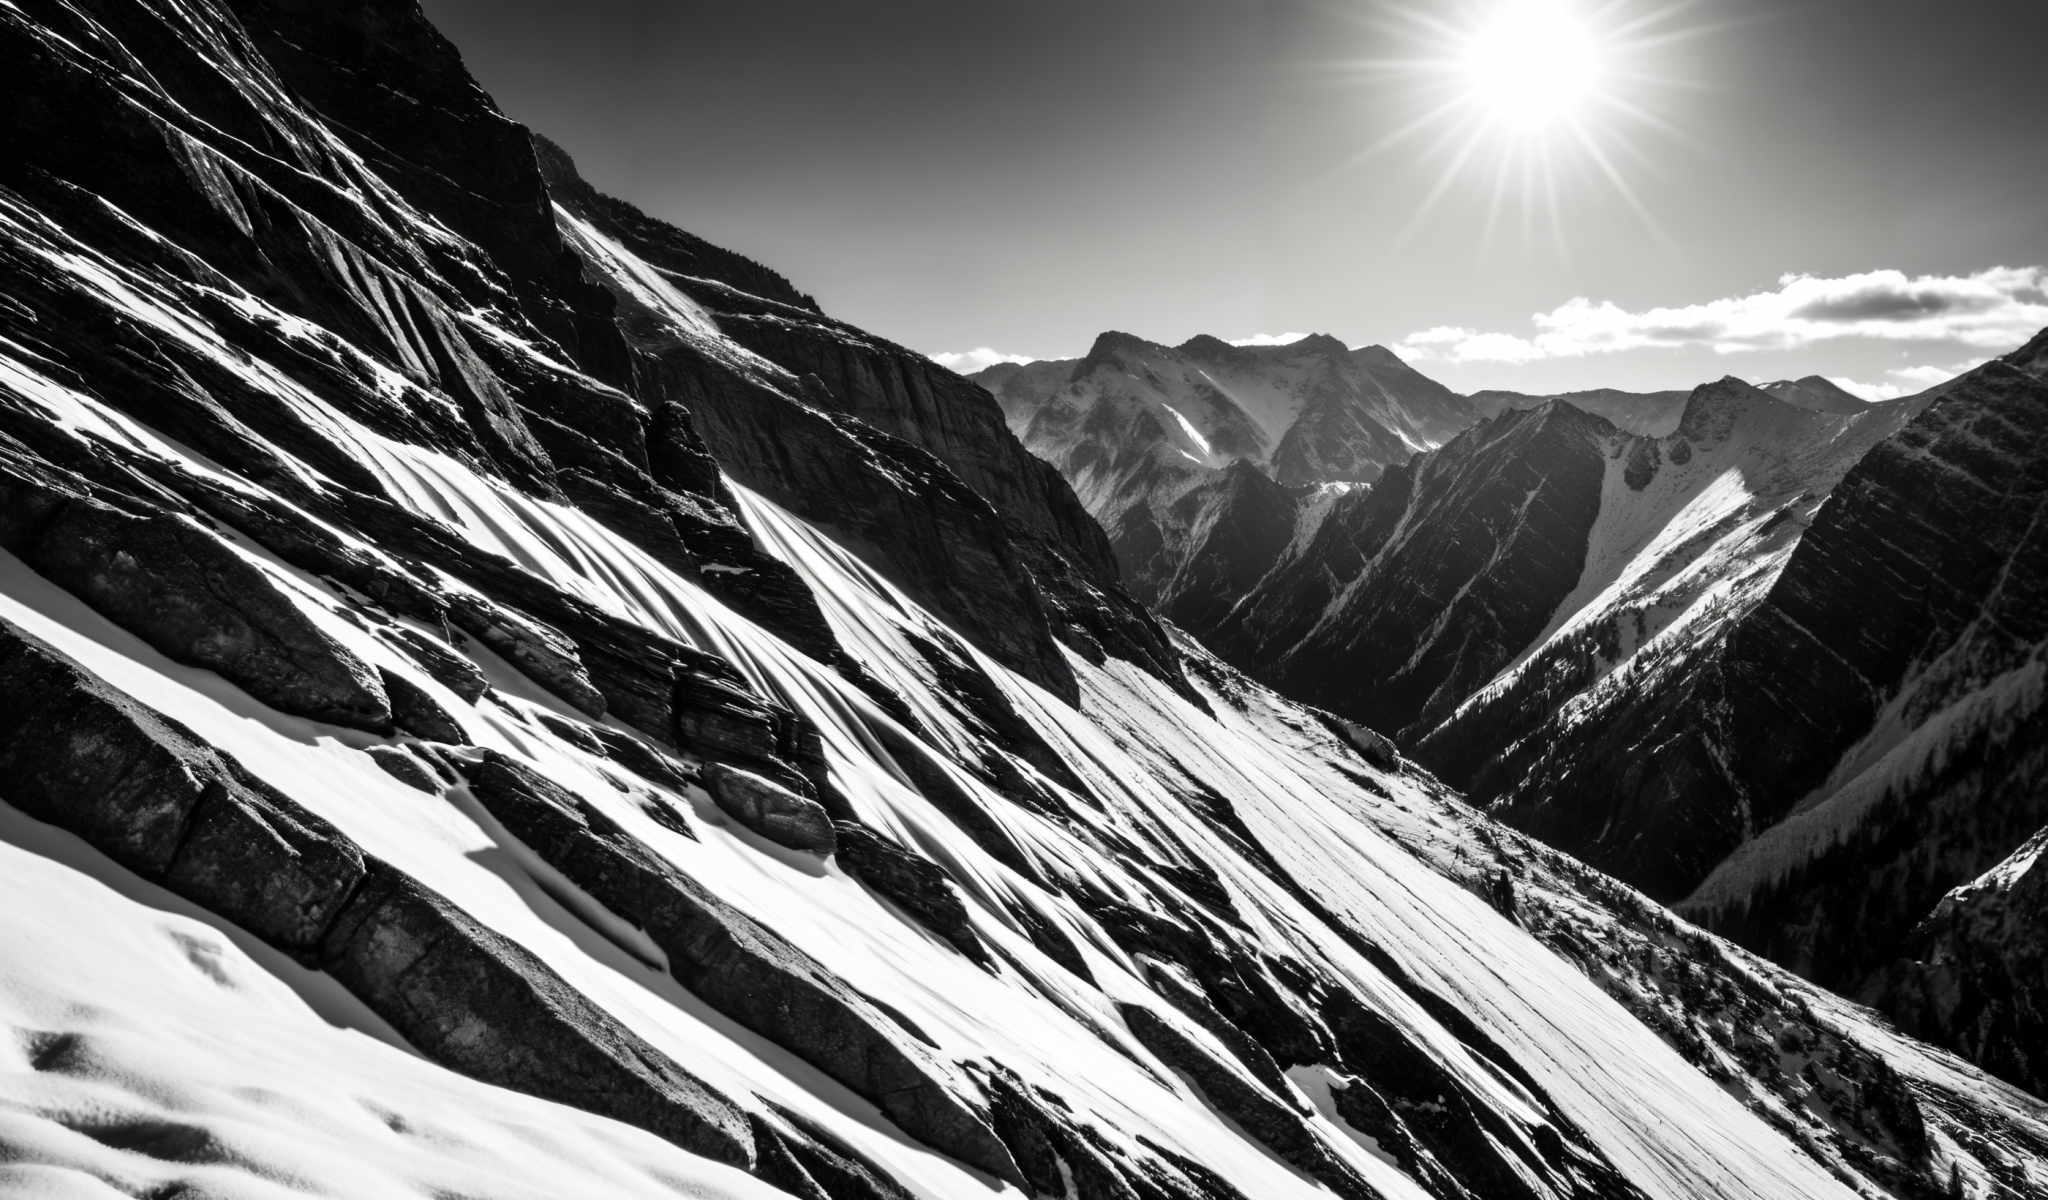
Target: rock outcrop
771 810
147 792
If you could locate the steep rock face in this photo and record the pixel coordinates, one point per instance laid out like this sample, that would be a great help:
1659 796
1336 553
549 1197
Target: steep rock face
1218 540
187 594
1916 601
1973 974
397 92
1444 571
147 791
1585 735
920 472
1162 943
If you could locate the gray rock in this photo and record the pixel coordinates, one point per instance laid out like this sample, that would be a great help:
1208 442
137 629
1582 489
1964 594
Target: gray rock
144 790
177 587
475 1001
740 968
417 713
1258 1111
544 654
771 810
917 884
449 669
403 767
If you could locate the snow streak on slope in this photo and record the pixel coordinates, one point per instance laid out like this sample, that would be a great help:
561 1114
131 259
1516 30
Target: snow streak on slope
1638 1093
230 1081
1660 1117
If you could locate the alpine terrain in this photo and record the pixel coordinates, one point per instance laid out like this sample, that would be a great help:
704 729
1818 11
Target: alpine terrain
500 697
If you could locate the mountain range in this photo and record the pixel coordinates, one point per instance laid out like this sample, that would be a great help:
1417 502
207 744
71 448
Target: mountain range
500 697
1745 647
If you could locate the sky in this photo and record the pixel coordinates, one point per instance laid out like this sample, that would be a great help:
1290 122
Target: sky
1850 188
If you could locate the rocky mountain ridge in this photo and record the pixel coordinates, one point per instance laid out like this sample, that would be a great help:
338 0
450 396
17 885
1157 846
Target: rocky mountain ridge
1578 623
450 749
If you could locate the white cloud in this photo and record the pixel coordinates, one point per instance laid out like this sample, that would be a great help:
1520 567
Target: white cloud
1906 381
1871 391
1927 375
1268 339
967 362
1993 309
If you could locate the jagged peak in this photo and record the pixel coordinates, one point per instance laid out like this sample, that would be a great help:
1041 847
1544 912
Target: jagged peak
1320 343
1114 345
1562 413
1713 407
1207 344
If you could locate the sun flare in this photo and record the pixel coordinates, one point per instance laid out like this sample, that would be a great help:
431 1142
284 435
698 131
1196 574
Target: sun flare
1532 63
1524 96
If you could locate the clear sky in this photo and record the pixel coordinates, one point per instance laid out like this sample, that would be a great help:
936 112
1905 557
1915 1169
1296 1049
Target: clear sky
1822 187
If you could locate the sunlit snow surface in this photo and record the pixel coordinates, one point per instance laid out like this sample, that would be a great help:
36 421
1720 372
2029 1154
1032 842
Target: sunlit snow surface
288 1087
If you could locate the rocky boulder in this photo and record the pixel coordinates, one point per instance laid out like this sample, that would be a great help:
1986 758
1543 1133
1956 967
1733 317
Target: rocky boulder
915 883
769 809
177 587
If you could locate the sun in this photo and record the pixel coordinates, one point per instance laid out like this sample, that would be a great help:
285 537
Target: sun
1531 64
1520 95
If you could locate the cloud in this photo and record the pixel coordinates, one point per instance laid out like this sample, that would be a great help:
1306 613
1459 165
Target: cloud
1871 391
967 362
1993 309
1904 381
1268 339
1927 375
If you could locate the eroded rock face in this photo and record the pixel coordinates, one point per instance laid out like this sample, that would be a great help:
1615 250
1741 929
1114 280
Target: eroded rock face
1261 1113
1973 975
482 1004
182 591
268 251
925 482
1415 592
741 968
771 810
144 790
916 883
1888 666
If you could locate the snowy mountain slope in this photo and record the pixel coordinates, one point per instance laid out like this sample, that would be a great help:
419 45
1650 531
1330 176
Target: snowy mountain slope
1692 530
414 738
1588 632
393 678
1919 590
